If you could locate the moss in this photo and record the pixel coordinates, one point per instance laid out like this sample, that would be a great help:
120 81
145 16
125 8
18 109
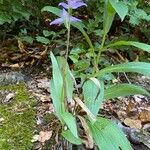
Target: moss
16 131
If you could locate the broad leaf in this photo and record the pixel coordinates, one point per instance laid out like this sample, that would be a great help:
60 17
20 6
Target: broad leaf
70 122
43 40
120 7
108 136
138 67
139 45
71 138
93 95
124 90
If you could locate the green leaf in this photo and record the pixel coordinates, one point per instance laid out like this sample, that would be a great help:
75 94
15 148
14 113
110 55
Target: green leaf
138 67
53 10
42 40
71 138
139 45
120 7
68 77
47 33
82 65
70 122
57 90
93 95
4 17
109 14
27 39
123 90
108 136
56 101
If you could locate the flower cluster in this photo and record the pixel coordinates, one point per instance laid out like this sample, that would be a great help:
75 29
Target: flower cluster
65 16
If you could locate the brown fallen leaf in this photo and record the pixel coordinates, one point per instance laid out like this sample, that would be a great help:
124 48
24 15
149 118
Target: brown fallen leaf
144 116
44 136
89 140
9 97
130 107
133 123
1 120
21 46
15 66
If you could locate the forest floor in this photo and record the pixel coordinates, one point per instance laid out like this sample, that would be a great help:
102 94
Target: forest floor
27 119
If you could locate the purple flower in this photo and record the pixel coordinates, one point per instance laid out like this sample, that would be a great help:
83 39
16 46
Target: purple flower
65 18
74 4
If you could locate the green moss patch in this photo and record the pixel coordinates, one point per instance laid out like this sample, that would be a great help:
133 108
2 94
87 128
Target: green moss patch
17 127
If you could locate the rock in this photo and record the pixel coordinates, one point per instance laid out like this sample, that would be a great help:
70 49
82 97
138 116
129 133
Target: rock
11 78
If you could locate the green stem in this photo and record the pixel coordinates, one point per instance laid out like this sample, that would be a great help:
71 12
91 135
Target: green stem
68 41
101 48
92 49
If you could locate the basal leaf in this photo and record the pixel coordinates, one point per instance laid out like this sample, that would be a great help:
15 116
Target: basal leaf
138 67
68 77
120 7
55 99
57 89
70 121
124 90
108 136
139 45
93 95
67 134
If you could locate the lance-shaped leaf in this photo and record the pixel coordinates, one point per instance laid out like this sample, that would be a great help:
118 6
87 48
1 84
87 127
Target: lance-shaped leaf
68 77
67 134
108 136
57 89
120 7
109 13
70 121
93 91
115 91
139 45
138 67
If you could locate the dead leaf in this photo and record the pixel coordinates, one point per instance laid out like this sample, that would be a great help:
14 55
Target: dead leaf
9 97
121 115
35 138
133 123
15 66
44 136
130 107
89 141
21 46
144 116
1 120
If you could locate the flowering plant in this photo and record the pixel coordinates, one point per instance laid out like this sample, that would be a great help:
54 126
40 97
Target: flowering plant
66 95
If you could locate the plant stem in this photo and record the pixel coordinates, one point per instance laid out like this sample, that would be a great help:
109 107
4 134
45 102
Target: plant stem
101 48
92 49
68 41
